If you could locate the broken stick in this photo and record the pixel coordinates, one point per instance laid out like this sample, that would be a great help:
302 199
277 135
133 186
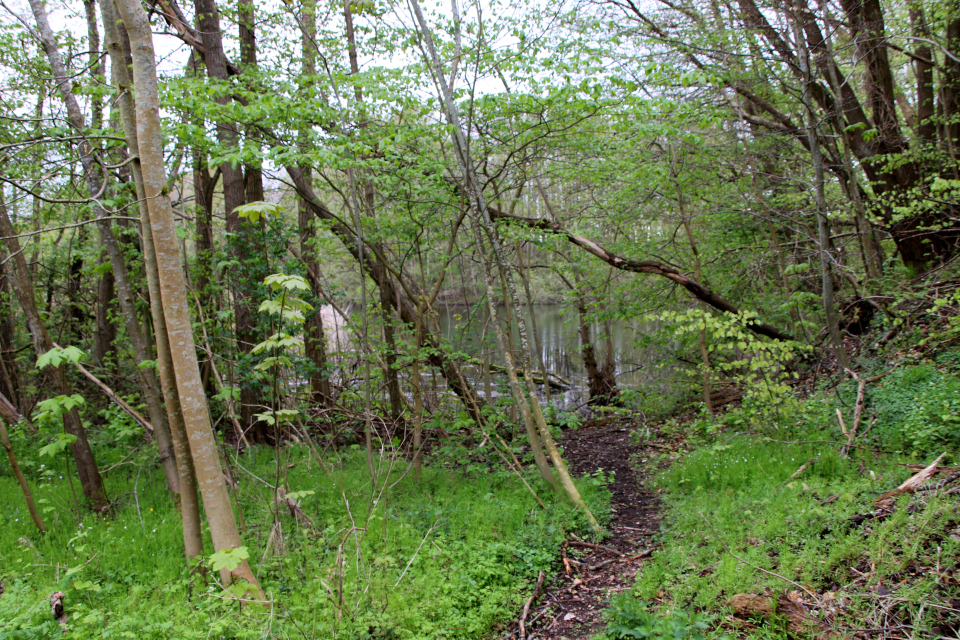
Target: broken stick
530 601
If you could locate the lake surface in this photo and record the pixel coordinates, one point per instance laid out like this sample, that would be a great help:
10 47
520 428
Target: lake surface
468 330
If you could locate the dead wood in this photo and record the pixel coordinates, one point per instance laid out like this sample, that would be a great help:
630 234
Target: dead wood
910 485
112 395
530 601
857 409
792 607
56 608
802 468
599 547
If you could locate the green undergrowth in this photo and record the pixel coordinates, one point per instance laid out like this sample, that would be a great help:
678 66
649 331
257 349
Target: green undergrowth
449 556
738 512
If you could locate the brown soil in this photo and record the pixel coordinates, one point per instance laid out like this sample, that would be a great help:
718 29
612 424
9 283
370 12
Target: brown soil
574 600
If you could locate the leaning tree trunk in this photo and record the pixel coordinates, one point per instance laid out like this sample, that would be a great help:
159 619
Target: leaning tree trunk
189 503
173 291
481 215
9 414
90 481
125 295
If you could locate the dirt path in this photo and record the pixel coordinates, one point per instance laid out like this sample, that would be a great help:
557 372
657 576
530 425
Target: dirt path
573 603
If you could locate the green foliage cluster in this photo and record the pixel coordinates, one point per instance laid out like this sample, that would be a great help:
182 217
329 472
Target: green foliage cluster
448 557
632 618
738 511
918 409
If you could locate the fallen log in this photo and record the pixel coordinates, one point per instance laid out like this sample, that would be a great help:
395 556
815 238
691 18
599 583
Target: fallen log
555 381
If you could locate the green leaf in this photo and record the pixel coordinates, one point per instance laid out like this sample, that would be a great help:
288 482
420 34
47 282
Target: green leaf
253 211
63 441
297 495
228 559
56 356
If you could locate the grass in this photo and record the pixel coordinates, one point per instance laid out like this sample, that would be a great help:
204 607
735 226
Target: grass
735 516
450 556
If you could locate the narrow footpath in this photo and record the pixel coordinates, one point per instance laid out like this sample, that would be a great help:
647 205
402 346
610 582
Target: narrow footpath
572 603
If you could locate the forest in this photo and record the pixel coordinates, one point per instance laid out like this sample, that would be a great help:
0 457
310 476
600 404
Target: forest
472 319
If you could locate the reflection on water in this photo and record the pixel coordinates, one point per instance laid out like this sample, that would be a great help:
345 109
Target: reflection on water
467 329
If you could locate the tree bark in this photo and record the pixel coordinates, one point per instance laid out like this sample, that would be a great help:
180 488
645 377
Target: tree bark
823 228
698 290
90 481
106 332
96 179
245 243
481 216
9 414
173 291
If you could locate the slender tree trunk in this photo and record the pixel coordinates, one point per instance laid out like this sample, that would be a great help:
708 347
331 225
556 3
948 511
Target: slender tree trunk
314 343
685 221
106 332
368 200
203 209
96 180
538 359
823 223
189 503
9 414
9 371
481 215
245 240
90 481
173 291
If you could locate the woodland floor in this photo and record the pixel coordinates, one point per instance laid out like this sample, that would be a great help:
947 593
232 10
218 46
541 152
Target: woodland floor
573 602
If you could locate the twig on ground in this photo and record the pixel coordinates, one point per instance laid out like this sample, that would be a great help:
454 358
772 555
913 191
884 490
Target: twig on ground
599 547
530 601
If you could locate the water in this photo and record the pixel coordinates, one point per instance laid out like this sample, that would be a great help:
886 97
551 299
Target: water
467 329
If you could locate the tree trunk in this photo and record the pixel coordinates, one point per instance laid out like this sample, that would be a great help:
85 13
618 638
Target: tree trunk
8 414
823 228
125 295
90 481
245 242
106 333
9 371
115 36
481 215
173 291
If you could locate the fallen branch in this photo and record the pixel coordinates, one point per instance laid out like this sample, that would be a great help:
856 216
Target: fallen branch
940 485
599 547
911 484
857 409
802 468
540 377
530 601
750 564
120 402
